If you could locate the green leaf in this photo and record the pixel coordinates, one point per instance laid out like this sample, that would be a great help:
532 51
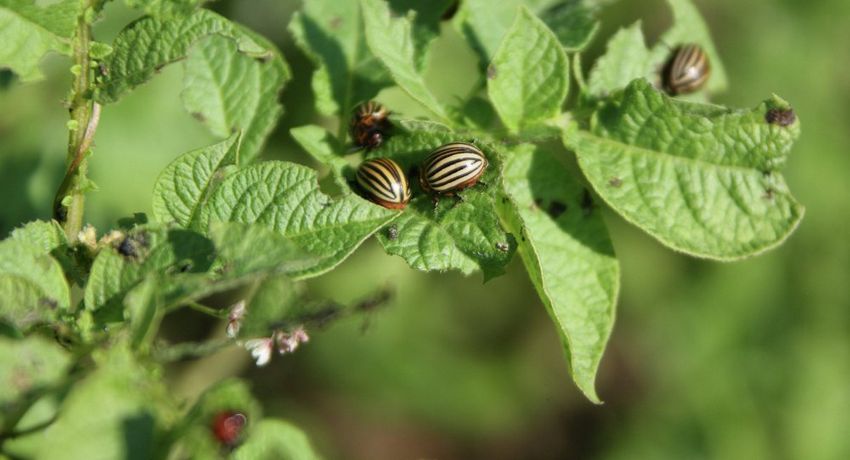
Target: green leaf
626 59
143 311
286 197
233 92
29 30
689 27
463 236
32 285
151 43
112 413
275 439
27 366
330 32
143 251
245 254
245 249
567 253
425 17
573 22
485 23
183 186
324 148
529 78
391 42
166 8
702 179
44 236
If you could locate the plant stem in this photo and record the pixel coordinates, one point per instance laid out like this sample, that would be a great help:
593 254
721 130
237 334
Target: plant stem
85 115
216 313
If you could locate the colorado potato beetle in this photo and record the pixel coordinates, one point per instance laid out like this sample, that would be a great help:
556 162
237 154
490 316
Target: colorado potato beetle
452 168
383 182
686 70
369 125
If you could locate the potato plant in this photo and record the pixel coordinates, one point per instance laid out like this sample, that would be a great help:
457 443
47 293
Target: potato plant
81 361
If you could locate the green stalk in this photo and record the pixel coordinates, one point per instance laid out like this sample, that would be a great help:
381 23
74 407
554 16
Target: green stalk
69 204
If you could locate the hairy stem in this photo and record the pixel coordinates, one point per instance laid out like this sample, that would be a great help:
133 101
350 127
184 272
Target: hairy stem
69 204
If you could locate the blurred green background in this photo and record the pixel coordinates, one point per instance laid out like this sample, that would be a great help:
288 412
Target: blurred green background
748 360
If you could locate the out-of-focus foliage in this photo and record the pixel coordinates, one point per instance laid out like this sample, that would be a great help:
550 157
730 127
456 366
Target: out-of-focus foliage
707 360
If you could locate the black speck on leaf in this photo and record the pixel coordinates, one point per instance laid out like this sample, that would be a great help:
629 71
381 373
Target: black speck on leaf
615 182
768 194
781 117
60 213
556 208
491 72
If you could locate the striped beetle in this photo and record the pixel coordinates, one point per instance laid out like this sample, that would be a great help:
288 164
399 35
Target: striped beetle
384 182
686 70
452 168
369 125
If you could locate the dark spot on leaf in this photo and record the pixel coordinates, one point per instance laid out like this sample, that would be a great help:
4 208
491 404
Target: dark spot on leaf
768 194
586 202
199 116
392 232
556 208
184 267
502 246
491 72
335 22
450 11
781 117
504 199
615 182
60 213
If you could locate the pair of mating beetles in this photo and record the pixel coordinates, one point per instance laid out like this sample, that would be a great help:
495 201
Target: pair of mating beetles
447 170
